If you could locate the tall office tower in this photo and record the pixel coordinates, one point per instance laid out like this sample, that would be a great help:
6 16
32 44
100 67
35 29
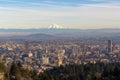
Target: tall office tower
59 60
109 46
26 46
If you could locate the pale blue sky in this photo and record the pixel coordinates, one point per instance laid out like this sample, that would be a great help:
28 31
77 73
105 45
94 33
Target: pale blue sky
83 14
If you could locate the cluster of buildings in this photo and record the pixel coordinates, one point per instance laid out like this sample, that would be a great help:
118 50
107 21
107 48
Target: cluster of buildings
48 54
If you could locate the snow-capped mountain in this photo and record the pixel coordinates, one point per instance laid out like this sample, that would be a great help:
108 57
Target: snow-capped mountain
55 26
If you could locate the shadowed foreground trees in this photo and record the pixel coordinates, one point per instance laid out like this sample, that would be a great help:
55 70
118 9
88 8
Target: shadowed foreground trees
18 73
99 71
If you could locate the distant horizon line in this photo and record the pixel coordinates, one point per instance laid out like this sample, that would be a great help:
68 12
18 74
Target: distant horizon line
56 28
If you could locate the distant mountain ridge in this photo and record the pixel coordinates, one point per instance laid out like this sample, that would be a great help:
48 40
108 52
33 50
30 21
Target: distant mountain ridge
52 34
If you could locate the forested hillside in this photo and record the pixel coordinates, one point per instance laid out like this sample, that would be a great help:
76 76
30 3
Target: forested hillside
99 71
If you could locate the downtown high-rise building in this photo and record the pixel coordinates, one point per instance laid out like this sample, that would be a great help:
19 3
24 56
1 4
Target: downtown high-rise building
26 46
109 46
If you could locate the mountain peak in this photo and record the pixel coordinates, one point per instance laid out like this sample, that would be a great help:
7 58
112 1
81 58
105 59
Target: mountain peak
55 26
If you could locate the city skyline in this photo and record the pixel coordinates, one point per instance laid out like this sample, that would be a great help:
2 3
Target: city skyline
83 14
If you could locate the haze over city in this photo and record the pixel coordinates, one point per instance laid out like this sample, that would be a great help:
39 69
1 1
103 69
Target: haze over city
82 14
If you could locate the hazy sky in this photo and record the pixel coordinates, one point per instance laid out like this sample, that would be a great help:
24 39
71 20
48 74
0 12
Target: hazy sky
83 14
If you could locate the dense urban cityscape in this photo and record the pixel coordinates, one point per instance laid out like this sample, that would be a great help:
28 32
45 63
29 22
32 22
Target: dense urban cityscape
44 55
